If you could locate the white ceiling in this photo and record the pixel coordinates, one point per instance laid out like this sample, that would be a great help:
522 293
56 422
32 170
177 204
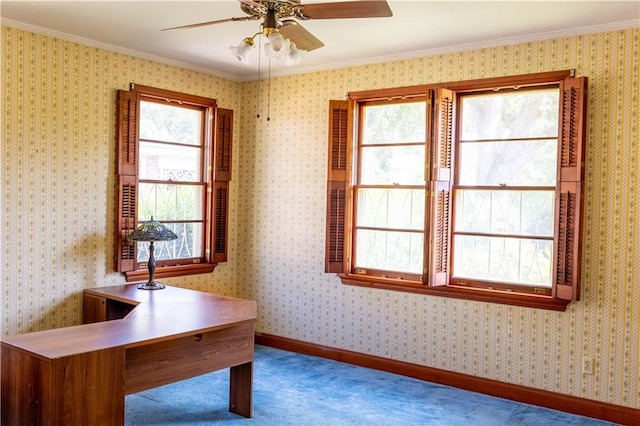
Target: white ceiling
417 28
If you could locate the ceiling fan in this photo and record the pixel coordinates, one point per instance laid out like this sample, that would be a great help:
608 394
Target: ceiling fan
280 24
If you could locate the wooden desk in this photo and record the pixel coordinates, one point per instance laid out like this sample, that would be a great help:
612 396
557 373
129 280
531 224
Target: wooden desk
132 340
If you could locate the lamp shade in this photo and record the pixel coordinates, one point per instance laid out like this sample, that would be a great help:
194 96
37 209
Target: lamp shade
242 50
295 55
276 47
152 230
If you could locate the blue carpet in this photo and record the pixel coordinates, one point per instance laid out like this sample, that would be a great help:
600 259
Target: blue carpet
294 389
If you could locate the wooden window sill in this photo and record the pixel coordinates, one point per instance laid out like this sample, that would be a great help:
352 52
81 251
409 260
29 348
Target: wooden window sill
170 271
458 292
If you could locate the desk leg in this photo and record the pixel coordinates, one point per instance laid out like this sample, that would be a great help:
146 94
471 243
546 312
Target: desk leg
241 389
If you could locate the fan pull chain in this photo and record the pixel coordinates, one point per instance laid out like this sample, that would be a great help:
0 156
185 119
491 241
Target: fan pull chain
269 93
258 77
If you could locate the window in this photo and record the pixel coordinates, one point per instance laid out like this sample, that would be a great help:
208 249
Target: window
174 156
505 188
467 189
389 191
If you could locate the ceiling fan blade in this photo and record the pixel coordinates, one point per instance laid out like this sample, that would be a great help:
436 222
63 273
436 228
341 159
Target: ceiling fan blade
219 21
347 9
303 39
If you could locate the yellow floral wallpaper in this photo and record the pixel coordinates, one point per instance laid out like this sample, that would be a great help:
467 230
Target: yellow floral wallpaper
58 148
282 187
58 174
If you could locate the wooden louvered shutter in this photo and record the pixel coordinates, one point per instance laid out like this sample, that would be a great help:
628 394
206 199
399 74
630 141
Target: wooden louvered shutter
221 178
224 137
127 133
569 202
126 223
127 169
440 186
335 249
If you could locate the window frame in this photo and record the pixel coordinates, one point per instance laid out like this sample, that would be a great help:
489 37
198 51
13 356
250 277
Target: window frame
204 160
457 186
440 165
216 175
360 146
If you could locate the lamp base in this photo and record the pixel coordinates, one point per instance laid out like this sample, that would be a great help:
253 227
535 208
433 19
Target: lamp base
151 286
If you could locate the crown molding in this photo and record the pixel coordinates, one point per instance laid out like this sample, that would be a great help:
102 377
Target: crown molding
613 26
117 49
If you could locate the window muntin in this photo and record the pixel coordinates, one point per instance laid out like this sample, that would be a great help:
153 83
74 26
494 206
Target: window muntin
509 138
390 191
172 186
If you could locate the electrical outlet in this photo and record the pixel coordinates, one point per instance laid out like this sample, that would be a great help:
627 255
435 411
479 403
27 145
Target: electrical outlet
587 365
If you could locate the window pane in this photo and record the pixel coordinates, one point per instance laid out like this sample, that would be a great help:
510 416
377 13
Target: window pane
391 208
395 123
403 165
170 202
188 245
505 212
527 163
526 114
170 123
515 260
389 251
169 162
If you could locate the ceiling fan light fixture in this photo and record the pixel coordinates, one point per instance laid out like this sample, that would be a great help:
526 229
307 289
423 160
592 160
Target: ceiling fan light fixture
281 29
295 55
277 47
242 50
